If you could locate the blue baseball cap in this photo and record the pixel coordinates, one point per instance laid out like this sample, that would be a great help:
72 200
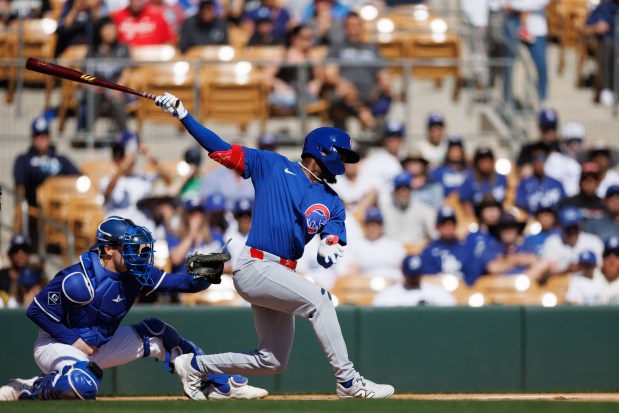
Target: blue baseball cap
546 206
373 215
40 125
193 155
612 191
548 119
611 246
436 119
455 140
20 241
445 213
394 128
242 206
403 179
569 217
411 266
587 257
215 203
193 204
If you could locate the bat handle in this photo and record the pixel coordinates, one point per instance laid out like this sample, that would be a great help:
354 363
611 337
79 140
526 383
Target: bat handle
153 97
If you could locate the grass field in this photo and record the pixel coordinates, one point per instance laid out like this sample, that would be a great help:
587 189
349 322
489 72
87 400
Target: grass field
306 406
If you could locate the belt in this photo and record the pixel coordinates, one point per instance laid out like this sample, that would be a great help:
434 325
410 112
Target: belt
260 255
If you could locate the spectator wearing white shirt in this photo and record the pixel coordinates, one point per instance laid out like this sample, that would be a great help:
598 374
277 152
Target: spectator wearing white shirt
609 273
434 148
584 289
376 254
351 188
563 165
563 249
237 234
412 292
407 220
424 189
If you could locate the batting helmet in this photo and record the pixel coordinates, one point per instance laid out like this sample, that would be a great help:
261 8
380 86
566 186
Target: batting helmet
331 148
136 246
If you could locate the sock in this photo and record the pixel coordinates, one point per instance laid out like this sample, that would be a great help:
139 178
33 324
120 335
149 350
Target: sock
194 363
347 384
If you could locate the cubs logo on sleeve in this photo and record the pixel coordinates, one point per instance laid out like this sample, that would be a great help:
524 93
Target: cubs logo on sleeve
316 217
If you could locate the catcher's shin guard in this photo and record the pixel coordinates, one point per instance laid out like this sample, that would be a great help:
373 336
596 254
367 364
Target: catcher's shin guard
78 381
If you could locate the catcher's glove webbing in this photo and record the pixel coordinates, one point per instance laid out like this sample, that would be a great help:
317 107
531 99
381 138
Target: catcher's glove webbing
209 266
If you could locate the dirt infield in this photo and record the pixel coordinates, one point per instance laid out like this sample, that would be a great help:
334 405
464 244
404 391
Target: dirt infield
576 397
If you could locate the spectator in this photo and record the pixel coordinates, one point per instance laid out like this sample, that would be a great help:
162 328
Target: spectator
601 24
325 18
354 190
424 189
447 254
284 80
364 91
607 225
412 292
546 216
583 288
609 274
548 121
221 180
40 162
482 180
215 209
160 207
173 12
376 254
563 165
509 255
271 11
601 155
204 28
190 185
406 220
452 173
563 249
29 9
125 187
237 234
587 201
77 23
106 46
538 189
141 23
20 282
264 35
434 147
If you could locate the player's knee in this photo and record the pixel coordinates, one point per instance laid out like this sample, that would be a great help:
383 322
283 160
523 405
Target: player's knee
271 362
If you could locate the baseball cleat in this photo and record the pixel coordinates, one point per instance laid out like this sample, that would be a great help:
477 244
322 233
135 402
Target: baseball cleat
363 388
236 388
11 390
189 377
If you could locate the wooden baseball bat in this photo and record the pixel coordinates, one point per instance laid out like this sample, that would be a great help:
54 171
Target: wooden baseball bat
52 69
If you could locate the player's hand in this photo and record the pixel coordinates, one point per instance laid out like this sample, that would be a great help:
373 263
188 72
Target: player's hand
171 105
84 347
330 249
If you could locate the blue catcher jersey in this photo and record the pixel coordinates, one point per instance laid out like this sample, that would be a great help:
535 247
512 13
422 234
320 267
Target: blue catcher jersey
289 209
91 300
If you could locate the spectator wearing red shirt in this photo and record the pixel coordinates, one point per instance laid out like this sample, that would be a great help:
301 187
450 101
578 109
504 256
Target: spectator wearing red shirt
141 24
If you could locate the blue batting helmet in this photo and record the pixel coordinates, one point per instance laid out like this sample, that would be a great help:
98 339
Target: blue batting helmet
331 147
136 246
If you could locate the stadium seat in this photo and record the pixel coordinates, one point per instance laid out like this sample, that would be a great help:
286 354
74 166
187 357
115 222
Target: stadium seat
211 53
83 216
355 289
558 284
3 51
96 170
507 290
71 57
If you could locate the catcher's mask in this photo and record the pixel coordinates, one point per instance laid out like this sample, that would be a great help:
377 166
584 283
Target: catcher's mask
136 246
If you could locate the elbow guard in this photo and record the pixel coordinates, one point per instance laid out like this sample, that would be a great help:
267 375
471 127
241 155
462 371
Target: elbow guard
233 158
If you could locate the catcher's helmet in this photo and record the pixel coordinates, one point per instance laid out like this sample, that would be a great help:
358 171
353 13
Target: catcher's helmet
136 246
331 148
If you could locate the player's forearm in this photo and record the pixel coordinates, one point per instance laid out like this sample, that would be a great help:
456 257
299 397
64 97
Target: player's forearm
183 283
57 330
208 139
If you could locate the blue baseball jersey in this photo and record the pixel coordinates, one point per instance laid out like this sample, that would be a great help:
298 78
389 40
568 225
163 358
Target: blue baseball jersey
289 209
533 192
475 244
443 257
450 178
473 190
535 243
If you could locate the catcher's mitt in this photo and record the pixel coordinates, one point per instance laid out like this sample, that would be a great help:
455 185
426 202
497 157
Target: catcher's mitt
209 266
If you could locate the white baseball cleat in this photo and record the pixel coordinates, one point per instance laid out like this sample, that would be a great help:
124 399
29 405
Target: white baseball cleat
189 377
237 388
364 389
11 390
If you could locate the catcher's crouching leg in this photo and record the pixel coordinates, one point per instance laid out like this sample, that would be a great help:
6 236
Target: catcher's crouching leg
77 381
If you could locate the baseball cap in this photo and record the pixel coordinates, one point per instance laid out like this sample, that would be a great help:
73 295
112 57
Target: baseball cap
445 213
507 220
612 191
483 152
587 257
599 148
436 118
611 246
215 203
40 125
394 128
548 119
193 156
242 206
20 241
455 140
267 141
411 266
206 3
403 179
373 215
545 206
573 131
193 204
569 217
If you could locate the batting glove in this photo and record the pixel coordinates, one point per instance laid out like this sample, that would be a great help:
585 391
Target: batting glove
171 105
330 249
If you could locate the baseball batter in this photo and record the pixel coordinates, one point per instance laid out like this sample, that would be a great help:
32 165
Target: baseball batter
80 310
293 203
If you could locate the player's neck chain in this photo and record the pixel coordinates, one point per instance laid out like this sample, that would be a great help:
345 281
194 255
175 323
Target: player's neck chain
310 172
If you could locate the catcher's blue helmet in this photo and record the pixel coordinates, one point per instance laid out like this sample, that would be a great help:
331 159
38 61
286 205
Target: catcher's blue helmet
331 147
136 246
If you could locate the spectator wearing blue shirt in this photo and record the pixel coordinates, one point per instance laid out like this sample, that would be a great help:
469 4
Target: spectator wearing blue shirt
447 254
452 174
546 216
279 17
482 180
538 189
